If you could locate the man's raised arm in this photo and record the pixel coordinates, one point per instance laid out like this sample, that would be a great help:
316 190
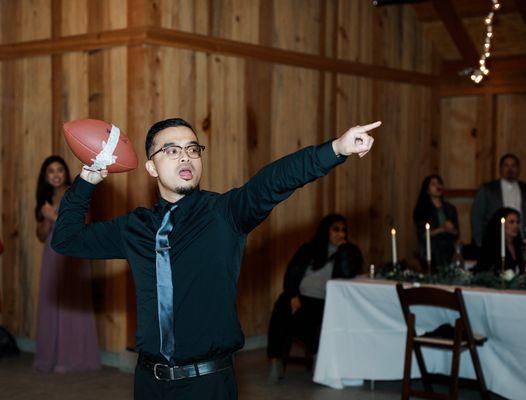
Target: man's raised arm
251 204
73 237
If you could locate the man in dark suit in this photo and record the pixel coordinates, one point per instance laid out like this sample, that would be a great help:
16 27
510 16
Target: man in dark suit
507 191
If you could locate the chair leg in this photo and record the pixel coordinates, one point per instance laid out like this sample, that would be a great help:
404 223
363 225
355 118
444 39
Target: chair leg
455 362
406 385
478 372
423 370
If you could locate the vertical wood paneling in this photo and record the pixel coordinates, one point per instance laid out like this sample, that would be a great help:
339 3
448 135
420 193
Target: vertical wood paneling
227 136
75 100
458 141
298 31
24 20
294 125
11 77
235 19
36 144
257 260
26 122
511 131
142 69
247 113
74 17
2 133
475 132
486 129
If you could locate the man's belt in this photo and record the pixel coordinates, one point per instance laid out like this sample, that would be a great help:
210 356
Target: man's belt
164 372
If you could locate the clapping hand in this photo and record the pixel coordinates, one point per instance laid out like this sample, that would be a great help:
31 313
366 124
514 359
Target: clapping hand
48 212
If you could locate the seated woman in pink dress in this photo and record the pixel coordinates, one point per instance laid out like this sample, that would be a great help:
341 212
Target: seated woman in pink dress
66 334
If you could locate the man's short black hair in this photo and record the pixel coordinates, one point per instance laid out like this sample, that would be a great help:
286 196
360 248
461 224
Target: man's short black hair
509 155
159 126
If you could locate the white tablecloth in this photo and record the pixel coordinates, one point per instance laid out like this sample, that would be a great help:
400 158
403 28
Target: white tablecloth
363 336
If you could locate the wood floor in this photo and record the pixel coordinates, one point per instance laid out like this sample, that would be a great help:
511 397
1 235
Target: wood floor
18 381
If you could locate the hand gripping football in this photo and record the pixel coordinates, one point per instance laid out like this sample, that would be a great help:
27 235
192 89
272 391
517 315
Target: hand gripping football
100 145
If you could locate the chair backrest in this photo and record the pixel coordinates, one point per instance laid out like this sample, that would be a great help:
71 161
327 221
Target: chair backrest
435 297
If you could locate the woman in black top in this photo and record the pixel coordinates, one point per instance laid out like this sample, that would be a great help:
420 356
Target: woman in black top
432 208
490 254
298 312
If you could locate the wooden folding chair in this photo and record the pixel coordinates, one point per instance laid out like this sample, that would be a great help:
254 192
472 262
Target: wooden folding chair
463 339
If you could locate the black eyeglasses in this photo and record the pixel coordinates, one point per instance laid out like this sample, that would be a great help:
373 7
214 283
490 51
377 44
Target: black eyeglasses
173 152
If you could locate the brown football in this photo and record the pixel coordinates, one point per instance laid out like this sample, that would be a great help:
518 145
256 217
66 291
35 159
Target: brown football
85 137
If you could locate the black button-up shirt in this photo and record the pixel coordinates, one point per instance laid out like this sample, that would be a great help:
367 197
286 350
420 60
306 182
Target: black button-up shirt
207 245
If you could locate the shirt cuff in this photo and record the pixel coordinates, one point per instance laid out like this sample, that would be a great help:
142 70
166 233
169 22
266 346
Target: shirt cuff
82 188
327 157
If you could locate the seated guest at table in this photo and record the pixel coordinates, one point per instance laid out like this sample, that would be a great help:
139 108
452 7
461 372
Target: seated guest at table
432 208
507 191
490 255
298 312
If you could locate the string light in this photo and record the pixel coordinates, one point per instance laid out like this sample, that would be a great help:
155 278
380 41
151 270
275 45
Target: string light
482 71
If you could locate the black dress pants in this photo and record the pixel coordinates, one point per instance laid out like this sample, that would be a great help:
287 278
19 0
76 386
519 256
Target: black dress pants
219 385
304 324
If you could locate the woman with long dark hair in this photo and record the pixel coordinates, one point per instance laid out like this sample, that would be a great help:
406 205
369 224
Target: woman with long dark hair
298 312
490 254
66 334
431 207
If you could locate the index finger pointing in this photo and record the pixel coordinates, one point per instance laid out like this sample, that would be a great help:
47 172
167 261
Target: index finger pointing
372 126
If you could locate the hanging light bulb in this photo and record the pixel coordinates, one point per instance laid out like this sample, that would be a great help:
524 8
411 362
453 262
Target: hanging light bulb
479 73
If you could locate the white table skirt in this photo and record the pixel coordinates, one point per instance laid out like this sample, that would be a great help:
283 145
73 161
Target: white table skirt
364 332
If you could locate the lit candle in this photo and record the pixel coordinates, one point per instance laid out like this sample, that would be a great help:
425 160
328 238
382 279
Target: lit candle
502 238
393 246
428 242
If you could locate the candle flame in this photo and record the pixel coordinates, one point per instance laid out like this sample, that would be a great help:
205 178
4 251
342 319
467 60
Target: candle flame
428 226
393 231
502 220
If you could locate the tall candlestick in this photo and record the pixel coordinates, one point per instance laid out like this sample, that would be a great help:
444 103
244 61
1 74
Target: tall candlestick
393 246
428 243
502 241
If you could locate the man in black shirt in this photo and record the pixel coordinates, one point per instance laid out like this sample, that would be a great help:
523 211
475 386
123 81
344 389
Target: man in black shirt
187 326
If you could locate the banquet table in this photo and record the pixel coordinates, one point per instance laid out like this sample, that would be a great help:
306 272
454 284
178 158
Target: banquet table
363 336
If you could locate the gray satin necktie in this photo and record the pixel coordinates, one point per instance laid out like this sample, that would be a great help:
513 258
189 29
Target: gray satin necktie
164 286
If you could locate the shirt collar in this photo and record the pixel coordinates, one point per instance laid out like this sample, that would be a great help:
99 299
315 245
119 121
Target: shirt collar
183 204
508 184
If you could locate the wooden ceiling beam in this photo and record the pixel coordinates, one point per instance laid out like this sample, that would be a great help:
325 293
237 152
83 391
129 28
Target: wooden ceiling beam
168 37
425 12
497 64
456 29
507 75
469 89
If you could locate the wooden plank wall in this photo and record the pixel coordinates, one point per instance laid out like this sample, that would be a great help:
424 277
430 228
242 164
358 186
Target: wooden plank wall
247 112
475 132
